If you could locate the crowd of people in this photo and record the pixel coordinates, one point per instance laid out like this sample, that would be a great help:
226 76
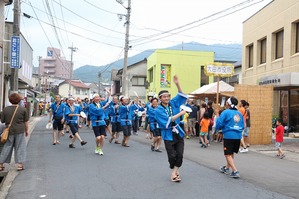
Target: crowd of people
163 119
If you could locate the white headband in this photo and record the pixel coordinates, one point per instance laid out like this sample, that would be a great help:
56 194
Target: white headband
230 103
166 93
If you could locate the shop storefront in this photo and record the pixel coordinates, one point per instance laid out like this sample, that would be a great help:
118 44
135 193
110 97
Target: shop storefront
285 97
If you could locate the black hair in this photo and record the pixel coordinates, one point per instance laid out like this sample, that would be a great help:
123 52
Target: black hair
148 97
234 100
162 92
204 105
243 102
279 120
154 99
206 115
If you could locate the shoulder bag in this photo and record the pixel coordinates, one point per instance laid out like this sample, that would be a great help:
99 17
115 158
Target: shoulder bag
5 133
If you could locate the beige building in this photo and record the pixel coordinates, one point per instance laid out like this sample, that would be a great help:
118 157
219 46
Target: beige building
136 75
55 65
271 56
74 88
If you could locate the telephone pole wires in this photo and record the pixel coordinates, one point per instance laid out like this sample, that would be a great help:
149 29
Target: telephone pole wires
126 49
14 78
73 49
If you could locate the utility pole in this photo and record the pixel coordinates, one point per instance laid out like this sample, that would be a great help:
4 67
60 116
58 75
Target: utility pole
2 28
14 78
73 49
126 49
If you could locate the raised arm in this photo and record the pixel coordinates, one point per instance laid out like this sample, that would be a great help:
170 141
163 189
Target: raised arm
176 81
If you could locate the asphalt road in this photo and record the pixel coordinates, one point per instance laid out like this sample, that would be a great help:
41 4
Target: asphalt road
59 172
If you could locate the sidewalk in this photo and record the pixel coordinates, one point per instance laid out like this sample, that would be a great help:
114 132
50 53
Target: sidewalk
290 147
11 168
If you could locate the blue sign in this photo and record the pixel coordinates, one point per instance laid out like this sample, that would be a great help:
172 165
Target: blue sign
15 52
50 53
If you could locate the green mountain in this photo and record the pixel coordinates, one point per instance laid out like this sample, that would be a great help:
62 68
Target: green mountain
223 52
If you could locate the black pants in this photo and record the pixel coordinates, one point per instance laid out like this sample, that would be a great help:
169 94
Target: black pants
175 151
135 124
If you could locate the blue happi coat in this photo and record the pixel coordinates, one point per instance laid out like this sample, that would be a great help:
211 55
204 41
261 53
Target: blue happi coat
163 117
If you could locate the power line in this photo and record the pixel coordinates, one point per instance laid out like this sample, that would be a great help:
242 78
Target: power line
65 29
194 22
63 21
54 26
100 8
76 34
87 19
62 63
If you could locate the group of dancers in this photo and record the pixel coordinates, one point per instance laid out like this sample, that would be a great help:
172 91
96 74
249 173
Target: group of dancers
163 116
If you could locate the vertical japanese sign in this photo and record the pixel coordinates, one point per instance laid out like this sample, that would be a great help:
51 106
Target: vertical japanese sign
15 52
165 76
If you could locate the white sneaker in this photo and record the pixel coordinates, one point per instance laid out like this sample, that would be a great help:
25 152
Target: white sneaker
101 152
96 151
241 150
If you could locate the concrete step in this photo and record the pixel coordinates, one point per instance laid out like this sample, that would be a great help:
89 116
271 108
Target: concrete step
294 135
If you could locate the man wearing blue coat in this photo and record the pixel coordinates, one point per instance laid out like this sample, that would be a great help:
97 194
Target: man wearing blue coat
167 115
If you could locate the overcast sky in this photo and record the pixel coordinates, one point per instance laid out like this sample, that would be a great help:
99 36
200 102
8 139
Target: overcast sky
93 26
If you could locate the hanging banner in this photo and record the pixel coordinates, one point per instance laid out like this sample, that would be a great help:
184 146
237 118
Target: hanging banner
219 69
15 52
165 76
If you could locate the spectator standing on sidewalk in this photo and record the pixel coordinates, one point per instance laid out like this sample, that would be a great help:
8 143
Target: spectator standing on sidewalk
168 115
57 116
279 138
232 124
72 112
18 131
210 112
247 128
40 108
243 147
204 130
192 118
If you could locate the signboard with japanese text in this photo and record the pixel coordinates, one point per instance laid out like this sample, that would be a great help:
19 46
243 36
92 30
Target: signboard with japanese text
15 52
219 69
165 76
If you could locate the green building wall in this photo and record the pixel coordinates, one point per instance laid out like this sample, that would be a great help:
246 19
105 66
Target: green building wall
185 64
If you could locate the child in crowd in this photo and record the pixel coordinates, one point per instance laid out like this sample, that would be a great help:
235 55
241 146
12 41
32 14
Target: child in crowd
279 138
204 130
214 132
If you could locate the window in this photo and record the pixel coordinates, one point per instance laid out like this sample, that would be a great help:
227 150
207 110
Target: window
204 80
249 52
151 75
297 38
77 91
279 44
138 81
263 50
165 76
